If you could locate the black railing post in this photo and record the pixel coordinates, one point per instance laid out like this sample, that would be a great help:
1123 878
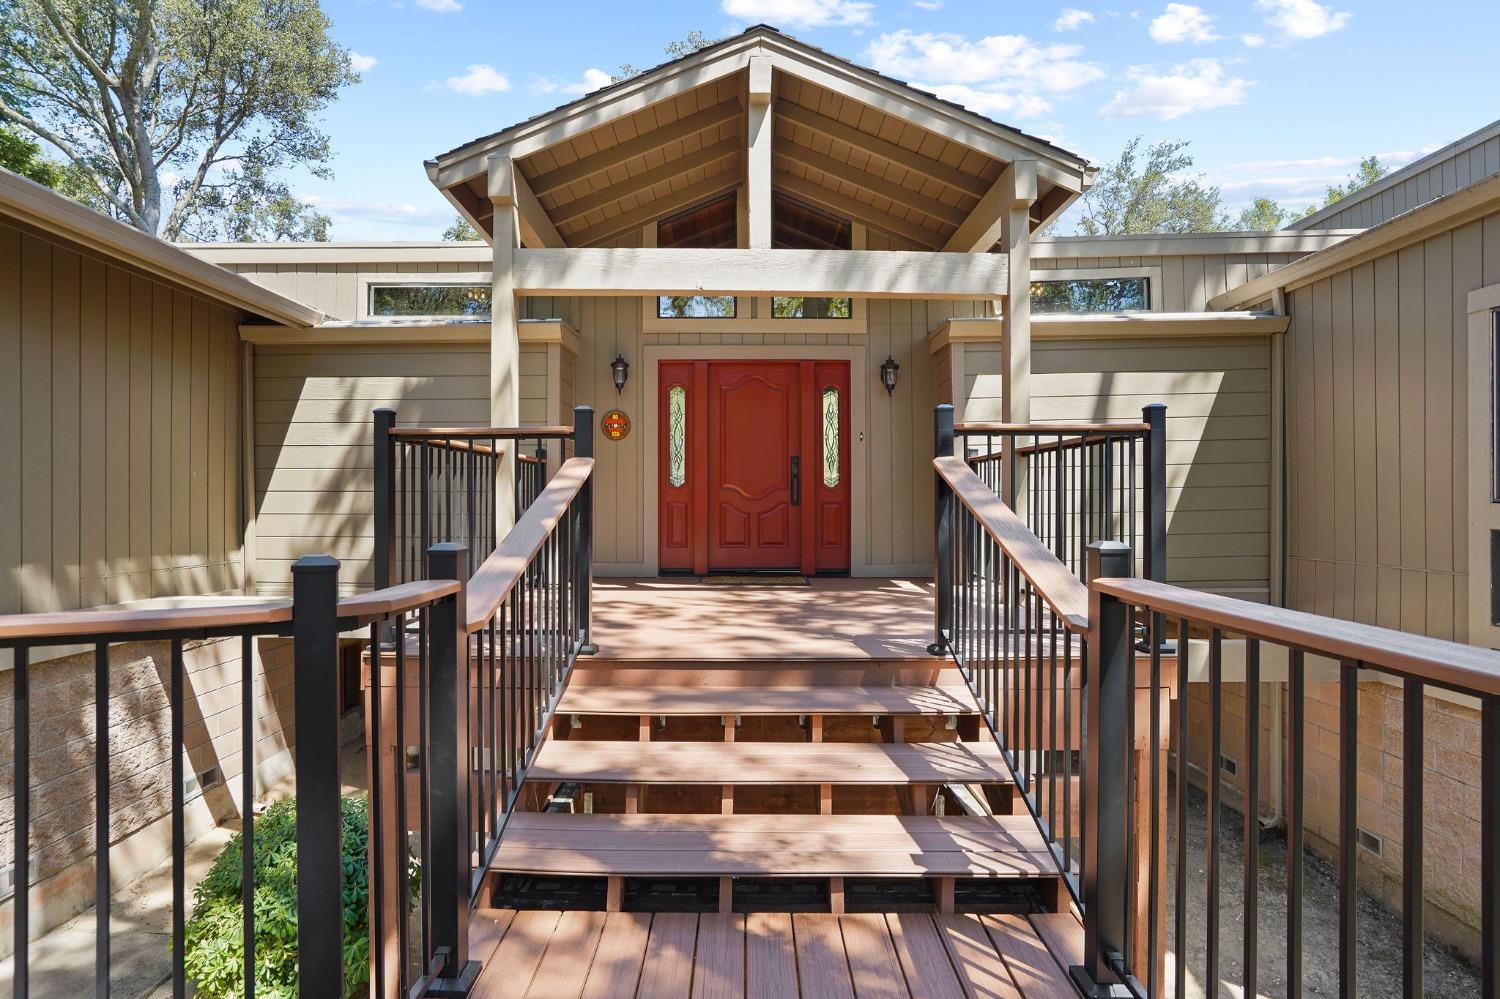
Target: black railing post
448 766
385 511
583 525
942 556
1154 534
1111 653
315 651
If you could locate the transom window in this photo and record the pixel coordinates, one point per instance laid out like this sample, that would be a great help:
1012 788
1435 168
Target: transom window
710 226
468 300
1107 294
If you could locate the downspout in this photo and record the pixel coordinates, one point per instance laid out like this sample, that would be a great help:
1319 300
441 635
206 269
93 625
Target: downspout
1278 583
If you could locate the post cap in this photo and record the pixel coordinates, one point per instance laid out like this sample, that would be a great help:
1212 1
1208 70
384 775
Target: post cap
316 563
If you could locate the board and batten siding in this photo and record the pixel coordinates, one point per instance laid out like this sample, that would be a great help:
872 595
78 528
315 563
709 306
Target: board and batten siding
1377 428
120 474
313 439
1186 281
1218 397
340 290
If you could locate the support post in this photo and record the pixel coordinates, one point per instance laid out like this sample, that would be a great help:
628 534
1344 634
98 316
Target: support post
1111 658
448 769
1155 533
505 342
1018 195
385 512
758 153
315 649
583 525
943 517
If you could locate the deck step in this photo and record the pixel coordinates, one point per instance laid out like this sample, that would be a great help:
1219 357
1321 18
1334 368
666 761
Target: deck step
774 846
776 763
769 701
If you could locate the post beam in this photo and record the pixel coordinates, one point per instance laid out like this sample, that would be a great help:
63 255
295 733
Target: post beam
1019 195
505 338
758 153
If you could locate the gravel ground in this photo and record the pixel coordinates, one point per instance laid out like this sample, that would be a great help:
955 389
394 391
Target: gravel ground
1379 929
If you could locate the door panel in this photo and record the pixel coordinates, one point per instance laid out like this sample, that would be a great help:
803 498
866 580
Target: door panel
754 423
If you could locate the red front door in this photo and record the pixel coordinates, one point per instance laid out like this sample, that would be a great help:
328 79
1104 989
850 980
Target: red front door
754 459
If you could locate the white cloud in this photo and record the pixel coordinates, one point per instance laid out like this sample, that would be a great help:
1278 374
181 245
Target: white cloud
1071 19
441 6
1302 19
362 63
998 74
593 79
1182 22
1253 41
927 4
1198 85
479 80
800 13
386 212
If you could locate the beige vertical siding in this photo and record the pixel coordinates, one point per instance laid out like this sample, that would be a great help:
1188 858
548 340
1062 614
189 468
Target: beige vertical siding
1217 393
1187 281
119 477
1377 435
337 288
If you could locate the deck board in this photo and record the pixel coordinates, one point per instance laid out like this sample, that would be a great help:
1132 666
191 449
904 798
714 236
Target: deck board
774 955
774 845
775 763
945 699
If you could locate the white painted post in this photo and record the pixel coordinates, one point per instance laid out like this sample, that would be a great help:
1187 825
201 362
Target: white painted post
1015 324
505 342
758 159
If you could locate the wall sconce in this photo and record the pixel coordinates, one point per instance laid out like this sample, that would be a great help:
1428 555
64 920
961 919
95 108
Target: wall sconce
619 370
888 374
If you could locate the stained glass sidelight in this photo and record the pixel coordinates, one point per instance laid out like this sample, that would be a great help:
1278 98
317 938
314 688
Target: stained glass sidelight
830 437
676 436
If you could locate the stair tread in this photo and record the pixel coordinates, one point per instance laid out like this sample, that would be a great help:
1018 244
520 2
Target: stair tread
773 845
779 763
822 700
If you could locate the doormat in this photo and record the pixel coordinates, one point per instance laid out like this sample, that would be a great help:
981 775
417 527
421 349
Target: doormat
756 579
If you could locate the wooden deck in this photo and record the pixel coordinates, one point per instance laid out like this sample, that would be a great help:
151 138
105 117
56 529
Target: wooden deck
564 955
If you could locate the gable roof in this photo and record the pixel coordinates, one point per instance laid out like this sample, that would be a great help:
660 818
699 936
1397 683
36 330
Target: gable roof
845 137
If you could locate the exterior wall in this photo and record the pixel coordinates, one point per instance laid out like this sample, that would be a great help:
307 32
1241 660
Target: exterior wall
62 761
1455 166
1180 282
341 288
1218 397
118 476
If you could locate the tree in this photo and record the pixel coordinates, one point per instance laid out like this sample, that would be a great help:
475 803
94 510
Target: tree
694 41
1266 215
461 231
181 115
1152 195
1370 170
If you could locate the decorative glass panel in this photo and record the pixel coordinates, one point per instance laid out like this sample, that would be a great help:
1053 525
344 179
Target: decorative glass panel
1127 294
676 436
468 300
812 308
830 437
695 307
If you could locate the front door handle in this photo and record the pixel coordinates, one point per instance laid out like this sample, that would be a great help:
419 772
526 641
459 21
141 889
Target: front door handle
796 480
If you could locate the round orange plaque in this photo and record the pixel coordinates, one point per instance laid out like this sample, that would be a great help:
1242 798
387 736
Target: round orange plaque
615 425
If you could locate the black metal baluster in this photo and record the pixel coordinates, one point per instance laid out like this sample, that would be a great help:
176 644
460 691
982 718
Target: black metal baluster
101 820
1489 846
179 835
374 764
1181 753
424 776
1252 816
1067 682
1296 779
1155 881
1412 896
1215 819
247 804
1348 828
403 822
21 862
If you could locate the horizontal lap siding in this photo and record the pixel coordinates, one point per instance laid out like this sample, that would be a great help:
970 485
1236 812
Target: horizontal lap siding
1217 394
1377 435
119 477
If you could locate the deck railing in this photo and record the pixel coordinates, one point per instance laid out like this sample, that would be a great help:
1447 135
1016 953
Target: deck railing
1076 483
439 484
313 619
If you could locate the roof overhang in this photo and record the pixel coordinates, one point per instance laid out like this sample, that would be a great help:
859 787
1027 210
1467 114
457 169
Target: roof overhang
46 211
1114 325
1409 227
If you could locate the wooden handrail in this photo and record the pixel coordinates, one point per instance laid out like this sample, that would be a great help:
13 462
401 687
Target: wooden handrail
494 580
1465 668
81 624
527 459
395 599
1052 429
1062 591
498 433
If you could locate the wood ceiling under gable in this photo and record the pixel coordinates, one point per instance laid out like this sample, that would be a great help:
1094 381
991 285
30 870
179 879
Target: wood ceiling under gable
828 149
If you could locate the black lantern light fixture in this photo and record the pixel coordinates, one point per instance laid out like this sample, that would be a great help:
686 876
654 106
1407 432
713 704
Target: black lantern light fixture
888 374
619 371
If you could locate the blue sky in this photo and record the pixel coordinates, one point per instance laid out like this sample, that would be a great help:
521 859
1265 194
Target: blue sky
1278 97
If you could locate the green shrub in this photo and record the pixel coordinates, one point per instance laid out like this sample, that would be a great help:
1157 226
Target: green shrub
215 954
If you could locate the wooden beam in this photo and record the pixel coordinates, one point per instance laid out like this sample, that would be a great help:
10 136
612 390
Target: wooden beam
758 154
853 208
981 230
505 338
1017 195
645 180
876 146
602 271
682 128
798 153
536 227
654 209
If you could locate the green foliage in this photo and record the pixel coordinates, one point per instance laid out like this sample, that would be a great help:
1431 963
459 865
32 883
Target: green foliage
214 953
1266 215
1090 295
1150 194
461 231
1370 170
694 41
180 115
